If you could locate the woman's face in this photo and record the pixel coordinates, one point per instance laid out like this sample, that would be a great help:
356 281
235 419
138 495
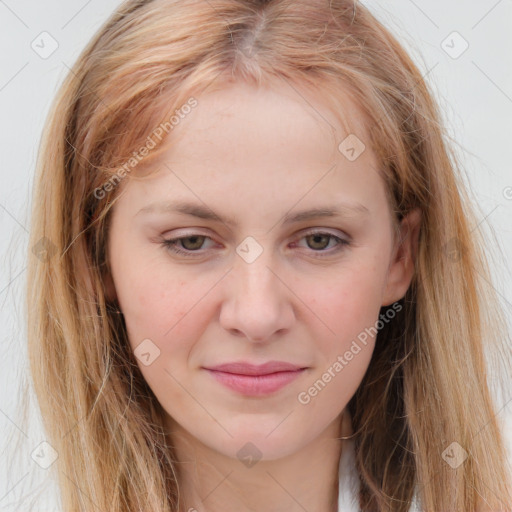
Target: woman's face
279 281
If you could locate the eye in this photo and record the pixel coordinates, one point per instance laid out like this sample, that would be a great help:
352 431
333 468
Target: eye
196 241
317 241
320 240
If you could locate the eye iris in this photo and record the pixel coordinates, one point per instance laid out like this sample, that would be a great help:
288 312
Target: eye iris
193 238
319 236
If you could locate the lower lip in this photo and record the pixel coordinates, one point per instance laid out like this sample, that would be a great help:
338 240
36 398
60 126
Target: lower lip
256 385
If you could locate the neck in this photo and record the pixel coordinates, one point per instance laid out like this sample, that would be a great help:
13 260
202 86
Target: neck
304 480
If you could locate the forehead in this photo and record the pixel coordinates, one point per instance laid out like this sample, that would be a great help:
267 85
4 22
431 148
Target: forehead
267 120
330 109
253 148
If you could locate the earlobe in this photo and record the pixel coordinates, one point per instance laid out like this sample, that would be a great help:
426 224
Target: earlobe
402 265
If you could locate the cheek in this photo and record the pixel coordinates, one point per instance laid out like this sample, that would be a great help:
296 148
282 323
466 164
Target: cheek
349 306
162 307
158 302
349 301
165 308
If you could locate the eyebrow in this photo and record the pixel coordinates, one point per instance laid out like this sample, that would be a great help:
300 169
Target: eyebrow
203 212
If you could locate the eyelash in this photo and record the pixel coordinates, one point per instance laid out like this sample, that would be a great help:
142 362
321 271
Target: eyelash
172 244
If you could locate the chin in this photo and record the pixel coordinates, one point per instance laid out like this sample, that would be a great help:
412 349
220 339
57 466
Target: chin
263 440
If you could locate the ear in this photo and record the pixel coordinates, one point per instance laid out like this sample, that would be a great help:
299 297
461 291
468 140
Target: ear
401 267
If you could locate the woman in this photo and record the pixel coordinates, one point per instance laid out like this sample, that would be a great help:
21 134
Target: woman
179 377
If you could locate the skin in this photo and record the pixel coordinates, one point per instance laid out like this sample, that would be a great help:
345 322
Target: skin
256 155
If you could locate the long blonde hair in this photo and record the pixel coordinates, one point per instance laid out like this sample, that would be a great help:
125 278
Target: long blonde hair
427 385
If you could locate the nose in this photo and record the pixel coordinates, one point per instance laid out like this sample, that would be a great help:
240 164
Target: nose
259 305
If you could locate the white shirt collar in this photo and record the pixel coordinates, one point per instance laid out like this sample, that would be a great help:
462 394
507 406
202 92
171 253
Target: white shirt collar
348 488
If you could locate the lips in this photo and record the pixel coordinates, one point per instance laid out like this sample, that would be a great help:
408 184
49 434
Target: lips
255 380
243 368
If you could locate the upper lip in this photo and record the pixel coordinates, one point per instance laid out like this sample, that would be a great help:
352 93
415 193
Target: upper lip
244 368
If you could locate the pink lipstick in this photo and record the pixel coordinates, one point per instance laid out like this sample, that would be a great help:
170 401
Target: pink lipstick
256 380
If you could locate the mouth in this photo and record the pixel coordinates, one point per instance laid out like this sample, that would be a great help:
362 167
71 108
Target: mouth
256 380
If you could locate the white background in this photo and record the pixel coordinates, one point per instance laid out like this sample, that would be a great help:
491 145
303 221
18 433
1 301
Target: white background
474 90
